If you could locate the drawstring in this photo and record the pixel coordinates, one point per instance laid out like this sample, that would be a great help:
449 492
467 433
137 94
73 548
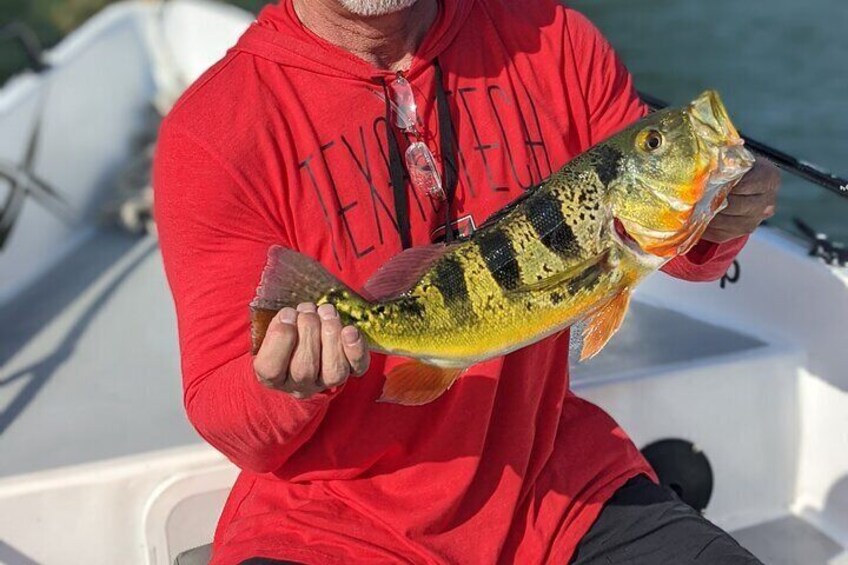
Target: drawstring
396 172
449 168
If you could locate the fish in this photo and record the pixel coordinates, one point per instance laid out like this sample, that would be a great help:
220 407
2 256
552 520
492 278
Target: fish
568 251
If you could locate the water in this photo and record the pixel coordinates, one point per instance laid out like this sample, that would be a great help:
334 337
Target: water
781 67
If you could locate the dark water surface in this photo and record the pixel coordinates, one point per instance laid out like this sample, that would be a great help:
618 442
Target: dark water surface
781 67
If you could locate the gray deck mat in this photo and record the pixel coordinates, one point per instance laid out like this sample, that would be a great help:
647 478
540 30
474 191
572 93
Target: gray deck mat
652 337
90 368
790 541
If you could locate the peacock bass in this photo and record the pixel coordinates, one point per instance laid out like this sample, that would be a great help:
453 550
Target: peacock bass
571 249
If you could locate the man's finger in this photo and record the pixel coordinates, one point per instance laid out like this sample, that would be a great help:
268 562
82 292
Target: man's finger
720 232
717 236
272 360
763 178
733 225
306 360
355 350
755 205
334 365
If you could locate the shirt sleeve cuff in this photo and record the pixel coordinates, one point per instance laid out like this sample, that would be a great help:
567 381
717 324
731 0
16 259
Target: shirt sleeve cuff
702 253
706 261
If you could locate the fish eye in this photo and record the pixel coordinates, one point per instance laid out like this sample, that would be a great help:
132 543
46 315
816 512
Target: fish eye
652 140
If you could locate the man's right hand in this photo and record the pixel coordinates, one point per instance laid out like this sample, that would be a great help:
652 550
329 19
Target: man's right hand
307 351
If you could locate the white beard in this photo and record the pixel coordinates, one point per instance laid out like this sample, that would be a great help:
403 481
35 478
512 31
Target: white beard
370 8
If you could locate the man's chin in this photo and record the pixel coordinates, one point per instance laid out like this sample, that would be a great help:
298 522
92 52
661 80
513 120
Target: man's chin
373 8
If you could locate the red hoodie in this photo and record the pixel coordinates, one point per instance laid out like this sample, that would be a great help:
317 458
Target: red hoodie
284 142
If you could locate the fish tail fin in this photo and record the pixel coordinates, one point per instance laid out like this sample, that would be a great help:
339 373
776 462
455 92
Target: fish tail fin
290 278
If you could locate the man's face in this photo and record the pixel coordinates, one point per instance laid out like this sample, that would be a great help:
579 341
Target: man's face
375 7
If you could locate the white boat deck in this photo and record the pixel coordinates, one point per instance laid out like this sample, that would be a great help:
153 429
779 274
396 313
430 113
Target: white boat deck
90 366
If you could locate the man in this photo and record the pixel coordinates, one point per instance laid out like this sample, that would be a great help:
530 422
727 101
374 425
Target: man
288 140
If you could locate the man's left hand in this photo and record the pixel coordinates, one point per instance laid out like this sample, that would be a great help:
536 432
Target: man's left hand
751 201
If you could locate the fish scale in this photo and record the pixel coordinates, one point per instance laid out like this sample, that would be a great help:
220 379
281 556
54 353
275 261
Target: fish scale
571 249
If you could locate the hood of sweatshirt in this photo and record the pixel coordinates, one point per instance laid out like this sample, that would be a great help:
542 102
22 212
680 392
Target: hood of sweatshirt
280 36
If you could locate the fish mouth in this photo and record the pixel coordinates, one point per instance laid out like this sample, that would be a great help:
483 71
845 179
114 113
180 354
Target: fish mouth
710 119
718 138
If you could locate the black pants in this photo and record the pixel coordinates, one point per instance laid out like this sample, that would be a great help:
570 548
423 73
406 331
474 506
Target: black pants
646 524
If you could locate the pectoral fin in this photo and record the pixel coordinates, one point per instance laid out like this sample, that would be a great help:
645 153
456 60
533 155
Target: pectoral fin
415 383
603 324
582 269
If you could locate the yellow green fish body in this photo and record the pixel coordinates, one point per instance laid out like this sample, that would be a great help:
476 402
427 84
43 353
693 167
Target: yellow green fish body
571 249
502 288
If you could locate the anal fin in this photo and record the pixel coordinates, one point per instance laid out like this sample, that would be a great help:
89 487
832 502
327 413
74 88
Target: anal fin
603 325
415 383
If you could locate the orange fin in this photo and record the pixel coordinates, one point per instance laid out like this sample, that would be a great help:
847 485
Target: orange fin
603 325
415 383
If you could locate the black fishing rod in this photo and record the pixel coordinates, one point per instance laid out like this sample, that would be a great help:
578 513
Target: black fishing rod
788 163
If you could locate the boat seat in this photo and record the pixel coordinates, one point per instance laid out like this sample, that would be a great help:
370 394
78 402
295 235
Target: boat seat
197 556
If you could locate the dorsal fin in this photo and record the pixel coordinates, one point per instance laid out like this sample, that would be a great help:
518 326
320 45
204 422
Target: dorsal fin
403 270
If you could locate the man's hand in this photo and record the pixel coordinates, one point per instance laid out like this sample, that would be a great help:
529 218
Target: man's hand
306 351
750 202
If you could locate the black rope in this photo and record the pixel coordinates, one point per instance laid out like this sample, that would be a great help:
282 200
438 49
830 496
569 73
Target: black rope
449 168
832 252
396 172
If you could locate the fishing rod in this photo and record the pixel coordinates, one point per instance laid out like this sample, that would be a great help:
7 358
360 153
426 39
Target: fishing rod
788 163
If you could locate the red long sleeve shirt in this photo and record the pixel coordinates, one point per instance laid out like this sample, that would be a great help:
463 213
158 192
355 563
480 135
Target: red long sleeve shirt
284 142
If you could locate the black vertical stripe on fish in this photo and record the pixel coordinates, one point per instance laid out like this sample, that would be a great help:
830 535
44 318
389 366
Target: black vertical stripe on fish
499 255
544 212
607 163
449 279
410 306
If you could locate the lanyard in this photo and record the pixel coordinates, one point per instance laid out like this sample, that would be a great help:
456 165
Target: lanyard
449 168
